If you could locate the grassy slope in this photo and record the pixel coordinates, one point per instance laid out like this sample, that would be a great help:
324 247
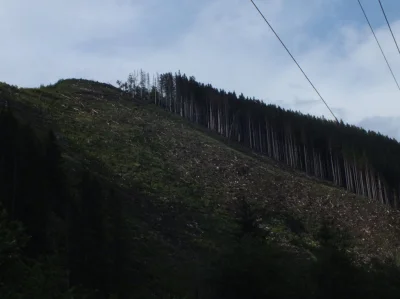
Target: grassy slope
193 175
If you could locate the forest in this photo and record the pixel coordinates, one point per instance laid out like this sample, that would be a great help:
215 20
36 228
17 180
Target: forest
53 244
366 163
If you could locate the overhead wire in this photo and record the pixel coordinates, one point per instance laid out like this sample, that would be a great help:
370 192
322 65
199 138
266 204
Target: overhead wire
390 28
266 21
376 39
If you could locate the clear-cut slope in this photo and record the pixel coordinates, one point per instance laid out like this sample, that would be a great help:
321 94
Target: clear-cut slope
172 159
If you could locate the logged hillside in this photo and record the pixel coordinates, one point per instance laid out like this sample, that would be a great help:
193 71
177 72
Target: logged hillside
168 157
363 162
173 193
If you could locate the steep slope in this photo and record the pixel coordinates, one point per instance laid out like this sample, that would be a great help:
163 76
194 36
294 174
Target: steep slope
362 162
168 158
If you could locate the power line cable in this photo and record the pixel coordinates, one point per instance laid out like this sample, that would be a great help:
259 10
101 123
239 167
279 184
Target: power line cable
390 28
383 54
266 21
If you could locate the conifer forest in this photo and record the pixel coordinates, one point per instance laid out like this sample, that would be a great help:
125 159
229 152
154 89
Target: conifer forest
348 156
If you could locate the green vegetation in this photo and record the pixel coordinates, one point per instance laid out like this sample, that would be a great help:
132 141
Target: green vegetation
103 196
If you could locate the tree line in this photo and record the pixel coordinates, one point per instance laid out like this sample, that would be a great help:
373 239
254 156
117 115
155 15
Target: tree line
363 162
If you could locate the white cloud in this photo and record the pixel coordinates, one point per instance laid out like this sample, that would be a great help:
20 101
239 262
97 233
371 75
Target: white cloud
224 42
388 125
40 37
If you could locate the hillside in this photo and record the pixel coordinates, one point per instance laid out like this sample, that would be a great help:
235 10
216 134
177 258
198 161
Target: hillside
362 162
181 182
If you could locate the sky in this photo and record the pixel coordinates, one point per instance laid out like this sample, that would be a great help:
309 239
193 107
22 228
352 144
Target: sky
222 42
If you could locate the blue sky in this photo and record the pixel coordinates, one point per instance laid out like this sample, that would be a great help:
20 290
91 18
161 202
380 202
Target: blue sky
222 42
